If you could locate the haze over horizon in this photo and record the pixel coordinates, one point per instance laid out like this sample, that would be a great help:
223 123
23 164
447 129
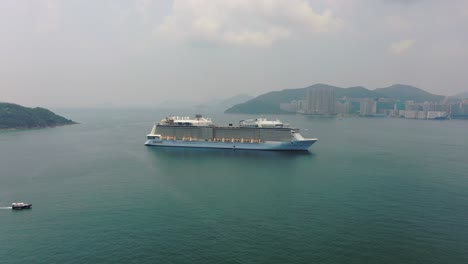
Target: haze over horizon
128 53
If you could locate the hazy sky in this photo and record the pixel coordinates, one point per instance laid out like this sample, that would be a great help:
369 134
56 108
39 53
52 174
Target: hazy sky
121 53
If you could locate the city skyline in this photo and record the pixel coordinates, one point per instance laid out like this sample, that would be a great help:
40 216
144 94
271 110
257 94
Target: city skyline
322 101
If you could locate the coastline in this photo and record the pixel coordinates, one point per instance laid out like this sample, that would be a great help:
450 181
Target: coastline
38 127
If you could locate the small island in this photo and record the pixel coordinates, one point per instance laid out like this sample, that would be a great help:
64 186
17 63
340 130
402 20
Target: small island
13 116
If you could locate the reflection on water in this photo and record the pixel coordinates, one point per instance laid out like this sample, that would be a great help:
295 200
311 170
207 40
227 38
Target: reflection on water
213 153
185 160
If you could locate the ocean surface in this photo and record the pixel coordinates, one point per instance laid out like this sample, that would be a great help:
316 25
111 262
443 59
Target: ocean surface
371 190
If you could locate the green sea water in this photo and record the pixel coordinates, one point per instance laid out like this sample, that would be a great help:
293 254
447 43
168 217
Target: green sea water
370 191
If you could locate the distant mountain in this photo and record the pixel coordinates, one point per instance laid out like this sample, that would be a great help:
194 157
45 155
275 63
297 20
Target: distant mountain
13 116
206 106
355 92
407 92
269 103
237 99
219 105
460 96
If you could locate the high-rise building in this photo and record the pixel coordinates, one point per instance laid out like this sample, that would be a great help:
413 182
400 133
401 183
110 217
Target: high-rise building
343 107
321 101
399 105
295 106
368 107
464 107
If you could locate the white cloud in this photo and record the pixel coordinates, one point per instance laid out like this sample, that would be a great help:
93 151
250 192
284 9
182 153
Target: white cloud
396 23
256 38
244 22
401 46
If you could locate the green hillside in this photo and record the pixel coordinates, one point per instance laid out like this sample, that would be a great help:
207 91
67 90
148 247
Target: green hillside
407 92
14 116
269 103
356 92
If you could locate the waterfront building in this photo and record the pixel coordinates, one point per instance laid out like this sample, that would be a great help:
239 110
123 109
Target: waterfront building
410 106
288 107
437 115
343 107
295 106
368 107
399 105
385 106
393 113
321 101
464 107
455 109
421 115
413 114
431 106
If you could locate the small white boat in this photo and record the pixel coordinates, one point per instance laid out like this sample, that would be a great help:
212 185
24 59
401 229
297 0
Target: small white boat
20 206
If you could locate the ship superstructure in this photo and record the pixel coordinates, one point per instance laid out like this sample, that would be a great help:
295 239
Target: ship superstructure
200 132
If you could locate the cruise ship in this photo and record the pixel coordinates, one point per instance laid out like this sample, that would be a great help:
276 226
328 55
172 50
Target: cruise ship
251 134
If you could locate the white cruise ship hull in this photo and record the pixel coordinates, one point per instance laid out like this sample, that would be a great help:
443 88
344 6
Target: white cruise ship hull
298 145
